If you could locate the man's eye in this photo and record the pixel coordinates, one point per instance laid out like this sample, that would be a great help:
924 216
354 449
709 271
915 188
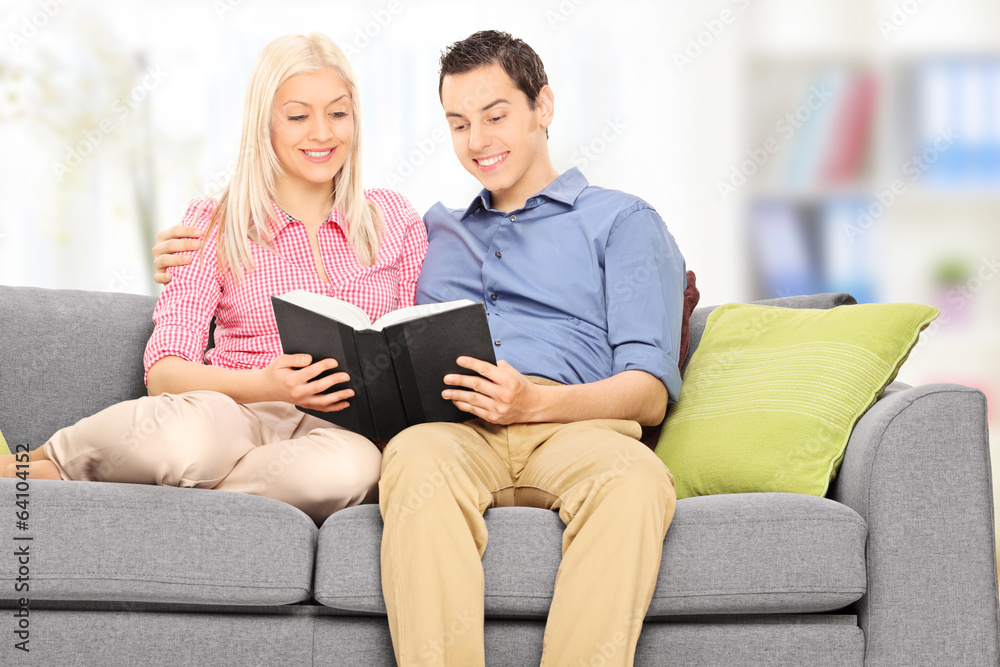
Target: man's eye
458 128
496 119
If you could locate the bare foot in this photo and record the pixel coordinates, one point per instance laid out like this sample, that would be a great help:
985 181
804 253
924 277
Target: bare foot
36 470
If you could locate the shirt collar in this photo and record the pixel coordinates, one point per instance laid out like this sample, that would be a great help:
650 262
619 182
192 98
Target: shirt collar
565 189
282 219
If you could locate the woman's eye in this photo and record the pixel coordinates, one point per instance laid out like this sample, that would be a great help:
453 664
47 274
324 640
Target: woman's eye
296 118
339 114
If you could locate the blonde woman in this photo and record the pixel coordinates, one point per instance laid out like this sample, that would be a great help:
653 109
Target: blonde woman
294 216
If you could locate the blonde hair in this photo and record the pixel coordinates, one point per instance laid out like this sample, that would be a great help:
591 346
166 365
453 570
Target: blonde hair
245 209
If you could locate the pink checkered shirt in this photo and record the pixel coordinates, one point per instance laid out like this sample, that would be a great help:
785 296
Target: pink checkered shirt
246 335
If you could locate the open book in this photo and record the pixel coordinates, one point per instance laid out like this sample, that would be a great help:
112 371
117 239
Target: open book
397 364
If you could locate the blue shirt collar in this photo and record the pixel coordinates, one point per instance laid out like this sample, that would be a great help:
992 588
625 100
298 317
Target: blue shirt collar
565 189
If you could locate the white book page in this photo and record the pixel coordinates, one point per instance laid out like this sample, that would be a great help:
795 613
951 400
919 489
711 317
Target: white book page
342 311
416 312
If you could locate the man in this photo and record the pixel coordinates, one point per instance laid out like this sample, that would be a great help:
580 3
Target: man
583 289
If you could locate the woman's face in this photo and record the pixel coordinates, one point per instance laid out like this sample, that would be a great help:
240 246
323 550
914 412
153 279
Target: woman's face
313 126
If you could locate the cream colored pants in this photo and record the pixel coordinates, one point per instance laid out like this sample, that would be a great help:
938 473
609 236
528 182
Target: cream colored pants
614 495
205 439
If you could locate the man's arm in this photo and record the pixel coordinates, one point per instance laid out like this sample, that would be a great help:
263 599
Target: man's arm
505 396
172 248
644 277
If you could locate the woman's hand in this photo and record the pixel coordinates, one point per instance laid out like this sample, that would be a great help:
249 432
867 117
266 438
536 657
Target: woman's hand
292 378
171 248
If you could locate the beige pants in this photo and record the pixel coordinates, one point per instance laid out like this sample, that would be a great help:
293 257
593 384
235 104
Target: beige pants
205 439
614 495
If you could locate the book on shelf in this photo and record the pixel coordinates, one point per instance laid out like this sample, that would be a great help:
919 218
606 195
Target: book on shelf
396 364
849 136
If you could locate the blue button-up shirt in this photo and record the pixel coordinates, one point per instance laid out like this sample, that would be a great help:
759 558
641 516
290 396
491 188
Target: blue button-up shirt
579 285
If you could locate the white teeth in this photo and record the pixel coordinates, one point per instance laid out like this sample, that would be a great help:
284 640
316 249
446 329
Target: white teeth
491 161
318 153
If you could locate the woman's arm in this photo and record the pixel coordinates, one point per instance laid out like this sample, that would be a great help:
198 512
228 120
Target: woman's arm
290 378
181 318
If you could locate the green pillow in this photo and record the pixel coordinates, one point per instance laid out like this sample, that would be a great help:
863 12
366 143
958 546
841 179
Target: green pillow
771 394
4 449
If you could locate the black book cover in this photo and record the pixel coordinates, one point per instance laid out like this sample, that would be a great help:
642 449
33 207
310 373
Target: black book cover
303 331
427 349
397 374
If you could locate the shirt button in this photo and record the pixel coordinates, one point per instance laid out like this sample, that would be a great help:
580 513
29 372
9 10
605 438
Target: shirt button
493 296
497 253
497 342
513 218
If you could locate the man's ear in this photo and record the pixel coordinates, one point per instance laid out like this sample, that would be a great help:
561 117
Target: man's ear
545 103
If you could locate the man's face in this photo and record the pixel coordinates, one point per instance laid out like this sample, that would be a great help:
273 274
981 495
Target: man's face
496 135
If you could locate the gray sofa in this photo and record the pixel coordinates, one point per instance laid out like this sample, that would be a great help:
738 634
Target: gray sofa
896 567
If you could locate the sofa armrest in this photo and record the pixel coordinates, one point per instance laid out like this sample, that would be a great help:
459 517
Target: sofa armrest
917 469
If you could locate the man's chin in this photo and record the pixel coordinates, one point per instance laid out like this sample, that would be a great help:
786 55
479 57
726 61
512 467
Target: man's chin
492 181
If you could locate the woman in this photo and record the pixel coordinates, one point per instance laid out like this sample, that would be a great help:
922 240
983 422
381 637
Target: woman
294 216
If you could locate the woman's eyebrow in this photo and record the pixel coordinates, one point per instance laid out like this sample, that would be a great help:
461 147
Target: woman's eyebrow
305 104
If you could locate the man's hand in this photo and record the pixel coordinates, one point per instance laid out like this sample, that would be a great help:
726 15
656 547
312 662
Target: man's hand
501 396
170 242
290 378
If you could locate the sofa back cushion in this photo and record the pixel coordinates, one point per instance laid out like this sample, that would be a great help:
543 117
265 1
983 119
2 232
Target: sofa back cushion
66 354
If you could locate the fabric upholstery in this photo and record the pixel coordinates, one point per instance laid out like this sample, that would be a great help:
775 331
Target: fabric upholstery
917 469
132 542
81 351
227 639
774 553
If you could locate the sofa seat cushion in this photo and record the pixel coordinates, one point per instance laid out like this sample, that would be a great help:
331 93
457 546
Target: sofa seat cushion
131 542
726 554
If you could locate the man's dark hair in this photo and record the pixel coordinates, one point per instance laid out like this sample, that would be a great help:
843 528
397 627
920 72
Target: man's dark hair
488 47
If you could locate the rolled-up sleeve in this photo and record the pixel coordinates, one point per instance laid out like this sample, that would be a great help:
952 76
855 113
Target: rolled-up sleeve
644 284
187 304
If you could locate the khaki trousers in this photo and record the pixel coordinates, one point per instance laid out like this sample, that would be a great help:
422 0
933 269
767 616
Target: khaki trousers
614 495
205 439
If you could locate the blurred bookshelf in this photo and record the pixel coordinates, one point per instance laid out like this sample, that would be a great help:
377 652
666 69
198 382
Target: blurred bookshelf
876 171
